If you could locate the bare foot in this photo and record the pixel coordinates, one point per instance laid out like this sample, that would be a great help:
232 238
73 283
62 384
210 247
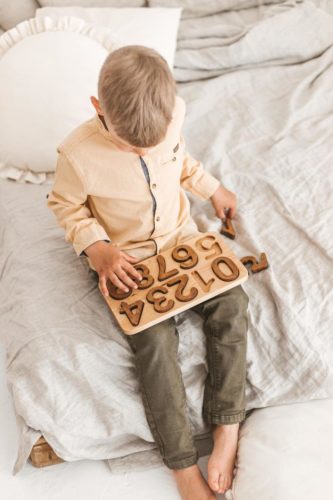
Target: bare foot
221 463
192 485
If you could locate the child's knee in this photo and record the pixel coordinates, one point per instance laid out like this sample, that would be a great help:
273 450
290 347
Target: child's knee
238 293
161 337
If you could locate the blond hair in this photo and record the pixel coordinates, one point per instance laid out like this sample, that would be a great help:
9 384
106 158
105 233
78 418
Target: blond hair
136 91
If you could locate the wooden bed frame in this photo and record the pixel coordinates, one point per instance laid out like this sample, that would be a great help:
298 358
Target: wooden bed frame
42 454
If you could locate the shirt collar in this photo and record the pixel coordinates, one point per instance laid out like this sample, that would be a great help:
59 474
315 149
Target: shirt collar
102 128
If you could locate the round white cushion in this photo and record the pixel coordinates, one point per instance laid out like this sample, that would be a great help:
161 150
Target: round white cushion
48 71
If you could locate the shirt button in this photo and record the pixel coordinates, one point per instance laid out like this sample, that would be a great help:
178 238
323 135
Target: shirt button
153 185
174 158
158 218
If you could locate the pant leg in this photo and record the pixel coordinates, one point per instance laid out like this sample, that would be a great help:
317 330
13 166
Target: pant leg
163 392
225 326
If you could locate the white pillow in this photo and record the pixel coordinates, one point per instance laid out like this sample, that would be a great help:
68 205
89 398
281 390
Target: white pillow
14 11
156 28
48 71
285 453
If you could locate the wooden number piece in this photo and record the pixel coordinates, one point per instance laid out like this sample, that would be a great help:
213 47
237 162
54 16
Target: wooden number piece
162 273
204 285
157 301
147 278
182 280
200 244
187 261
228 230
230 264
133 311
256 265
115 292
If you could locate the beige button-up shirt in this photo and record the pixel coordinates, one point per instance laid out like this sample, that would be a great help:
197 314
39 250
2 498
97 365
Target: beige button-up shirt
103 193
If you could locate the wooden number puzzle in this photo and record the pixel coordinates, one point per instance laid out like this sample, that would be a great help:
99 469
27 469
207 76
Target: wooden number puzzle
176 279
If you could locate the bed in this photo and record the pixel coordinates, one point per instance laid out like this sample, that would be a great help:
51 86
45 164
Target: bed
257 84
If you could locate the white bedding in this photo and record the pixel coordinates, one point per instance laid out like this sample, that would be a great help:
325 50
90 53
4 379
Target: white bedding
260 117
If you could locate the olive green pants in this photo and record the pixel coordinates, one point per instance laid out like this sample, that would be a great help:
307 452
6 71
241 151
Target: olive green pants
225 323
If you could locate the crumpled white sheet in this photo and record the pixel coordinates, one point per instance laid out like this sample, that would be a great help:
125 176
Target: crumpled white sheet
265 128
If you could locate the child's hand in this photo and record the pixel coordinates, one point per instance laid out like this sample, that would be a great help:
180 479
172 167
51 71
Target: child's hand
223 200
112 263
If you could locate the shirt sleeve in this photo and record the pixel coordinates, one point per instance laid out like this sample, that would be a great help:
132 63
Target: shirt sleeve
194 178
66 200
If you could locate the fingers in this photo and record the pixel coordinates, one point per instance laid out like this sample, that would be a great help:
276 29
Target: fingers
130 258
222 215
133 271
114 280
124 277
119 281
119 277
102 285
232 212
228 213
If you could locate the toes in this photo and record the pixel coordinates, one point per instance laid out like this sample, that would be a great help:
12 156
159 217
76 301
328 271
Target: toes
213 479
229 482
221 483
225 484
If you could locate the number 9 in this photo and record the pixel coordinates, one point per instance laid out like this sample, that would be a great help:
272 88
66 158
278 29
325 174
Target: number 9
189 260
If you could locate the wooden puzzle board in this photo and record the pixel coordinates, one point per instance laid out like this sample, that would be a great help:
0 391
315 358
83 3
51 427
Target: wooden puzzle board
175 280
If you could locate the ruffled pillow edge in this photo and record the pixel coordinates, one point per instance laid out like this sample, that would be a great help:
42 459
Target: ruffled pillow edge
41 24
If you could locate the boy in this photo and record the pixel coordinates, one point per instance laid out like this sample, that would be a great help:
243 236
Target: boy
119 194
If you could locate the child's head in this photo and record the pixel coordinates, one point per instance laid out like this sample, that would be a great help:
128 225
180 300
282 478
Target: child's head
136 93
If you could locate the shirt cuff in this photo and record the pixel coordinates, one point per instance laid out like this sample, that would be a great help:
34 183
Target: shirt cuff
84 253
87 236
206 186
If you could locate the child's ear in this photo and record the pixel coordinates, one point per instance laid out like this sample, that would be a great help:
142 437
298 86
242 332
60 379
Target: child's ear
95 103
